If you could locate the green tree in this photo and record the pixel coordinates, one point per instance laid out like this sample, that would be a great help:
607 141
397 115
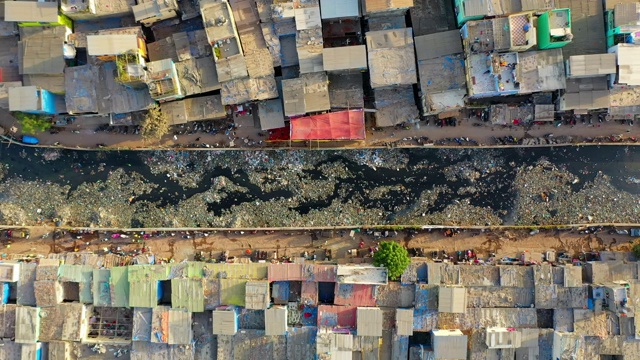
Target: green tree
155 124
32 123
392 256
636 249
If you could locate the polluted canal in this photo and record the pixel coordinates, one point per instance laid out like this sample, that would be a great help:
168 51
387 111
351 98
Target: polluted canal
281 188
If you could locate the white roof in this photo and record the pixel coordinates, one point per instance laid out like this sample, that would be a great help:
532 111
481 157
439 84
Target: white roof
452 299
111 44
369 321
628 67
275 319
332 9
592 65
344 58
23 98
24 11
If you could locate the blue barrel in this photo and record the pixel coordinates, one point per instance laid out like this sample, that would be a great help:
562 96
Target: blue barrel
31 140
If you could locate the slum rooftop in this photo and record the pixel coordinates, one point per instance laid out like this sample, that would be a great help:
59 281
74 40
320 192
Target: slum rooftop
307 310
282 56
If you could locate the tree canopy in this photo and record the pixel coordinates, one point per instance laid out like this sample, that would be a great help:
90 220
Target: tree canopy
155 124
636 249
392 256
32 123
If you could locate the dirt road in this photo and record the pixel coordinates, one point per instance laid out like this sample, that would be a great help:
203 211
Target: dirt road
183 245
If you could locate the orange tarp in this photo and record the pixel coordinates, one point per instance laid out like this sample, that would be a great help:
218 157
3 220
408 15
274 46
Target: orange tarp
341 125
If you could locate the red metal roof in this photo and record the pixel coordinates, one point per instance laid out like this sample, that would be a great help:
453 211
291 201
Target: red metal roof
355 295
325 273
341 125
286 272
309 293
337 316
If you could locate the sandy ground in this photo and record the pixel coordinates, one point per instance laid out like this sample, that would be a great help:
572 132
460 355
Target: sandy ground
86 137
295 243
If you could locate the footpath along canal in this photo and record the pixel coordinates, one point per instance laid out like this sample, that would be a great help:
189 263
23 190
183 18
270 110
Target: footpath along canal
282 188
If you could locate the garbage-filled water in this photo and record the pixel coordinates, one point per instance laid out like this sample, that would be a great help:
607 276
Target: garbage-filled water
298 188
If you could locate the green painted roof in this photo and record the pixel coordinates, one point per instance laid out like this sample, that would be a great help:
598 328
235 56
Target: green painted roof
119 287
101 287
143 293
187 294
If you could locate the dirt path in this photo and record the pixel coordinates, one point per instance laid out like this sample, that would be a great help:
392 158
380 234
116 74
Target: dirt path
184 246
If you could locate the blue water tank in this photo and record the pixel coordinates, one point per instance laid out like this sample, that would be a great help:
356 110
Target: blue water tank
4 288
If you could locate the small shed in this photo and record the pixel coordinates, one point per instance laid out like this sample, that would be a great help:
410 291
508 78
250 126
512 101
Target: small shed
503 338
9 271
275 320
27 324
225 320
452 299
369 321
404 322
257 295
449 344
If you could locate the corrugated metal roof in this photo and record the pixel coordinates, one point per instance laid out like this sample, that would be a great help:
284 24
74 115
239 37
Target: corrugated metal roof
251 271
119 283
345 58
111 44
180 329
233 291
449 344
438 44
142 318
101 289
143 293
332 9
627 14
309 293
82 274
286 272
27 324
354 295
187 294
371 6
257 295
29 11
592 65
307 18
225 321
586 100
369 321
452 299
275 320
427 296
325 273
271 114
188 269
334 316
26 295
148 272
404 322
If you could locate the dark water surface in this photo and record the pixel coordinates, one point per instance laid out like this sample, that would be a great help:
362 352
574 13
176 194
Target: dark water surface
496 170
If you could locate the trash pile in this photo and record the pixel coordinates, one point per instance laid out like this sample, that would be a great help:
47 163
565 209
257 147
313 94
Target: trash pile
247 189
